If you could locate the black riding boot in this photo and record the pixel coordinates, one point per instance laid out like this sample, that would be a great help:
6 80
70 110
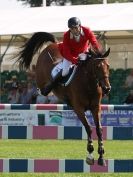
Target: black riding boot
45 91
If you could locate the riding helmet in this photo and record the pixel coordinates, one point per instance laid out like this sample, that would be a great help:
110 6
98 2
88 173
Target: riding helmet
74 22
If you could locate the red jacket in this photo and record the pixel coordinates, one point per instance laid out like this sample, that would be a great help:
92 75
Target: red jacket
70 49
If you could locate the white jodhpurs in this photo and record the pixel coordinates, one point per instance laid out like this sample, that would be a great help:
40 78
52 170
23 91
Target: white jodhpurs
64 65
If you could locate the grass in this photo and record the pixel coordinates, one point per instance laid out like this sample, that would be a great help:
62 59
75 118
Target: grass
63 149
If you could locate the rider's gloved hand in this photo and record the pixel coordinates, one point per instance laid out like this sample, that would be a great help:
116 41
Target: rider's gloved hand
82 56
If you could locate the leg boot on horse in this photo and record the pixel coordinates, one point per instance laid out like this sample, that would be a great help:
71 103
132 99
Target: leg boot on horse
52 84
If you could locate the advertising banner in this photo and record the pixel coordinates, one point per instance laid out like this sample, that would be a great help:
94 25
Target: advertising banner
22 117
114 118
63 117
108 118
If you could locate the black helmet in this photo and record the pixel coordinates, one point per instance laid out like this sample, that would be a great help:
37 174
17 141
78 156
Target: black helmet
73 22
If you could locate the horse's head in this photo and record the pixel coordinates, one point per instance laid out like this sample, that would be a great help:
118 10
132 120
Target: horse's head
100 71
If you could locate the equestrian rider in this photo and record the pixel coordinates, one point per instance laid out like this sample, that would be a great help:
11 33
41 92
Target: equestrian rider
76 41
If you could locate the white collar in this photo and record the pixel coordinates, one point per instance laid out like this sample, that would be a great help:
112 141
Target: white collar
81 33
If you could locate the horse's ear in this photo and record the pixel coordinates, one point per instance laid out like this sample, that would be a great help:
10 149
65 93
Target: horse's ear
106 54
91 54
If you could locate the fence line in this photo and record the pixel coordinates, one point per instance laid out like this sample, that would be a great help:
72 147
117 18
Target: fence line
63 132
63 165
58 107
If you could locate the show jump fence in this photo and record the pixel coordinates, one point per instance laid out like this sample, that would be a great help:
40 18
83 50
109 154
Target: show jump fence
59 132
62 132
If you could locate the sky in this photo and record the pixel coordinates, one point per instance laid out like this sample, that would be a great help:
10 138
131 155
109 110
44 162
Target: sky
11 4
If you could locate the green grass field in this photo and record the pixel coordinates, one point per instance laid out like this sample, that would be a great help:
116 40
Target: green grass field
63 149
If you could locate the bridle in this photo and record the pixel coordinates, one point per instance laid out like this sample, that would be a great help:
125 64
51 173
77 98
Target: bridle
93 74
106 76
101 79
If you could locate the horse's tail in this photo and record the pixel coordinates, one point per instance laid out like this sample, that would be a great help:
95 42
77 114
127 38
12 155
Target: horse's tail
32 46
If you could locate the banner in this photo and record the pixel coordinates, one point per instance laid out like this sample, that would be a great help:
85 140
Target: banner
22 117
108 118
117 118
63 117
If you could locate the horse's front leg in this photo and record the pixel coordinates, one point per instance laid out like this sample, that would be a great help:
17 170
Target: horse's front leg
90 148
97 114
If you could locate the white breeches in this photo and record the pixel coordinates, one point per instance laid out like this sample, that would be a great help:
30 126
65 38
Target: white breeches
64 65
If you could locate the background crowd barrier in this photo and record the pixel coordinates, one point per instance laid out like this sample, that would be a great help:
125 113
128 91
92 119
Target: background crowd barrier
62 115
63 165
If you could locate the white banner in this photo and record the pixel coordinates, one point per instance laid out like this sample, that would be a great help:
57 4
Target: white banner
22 117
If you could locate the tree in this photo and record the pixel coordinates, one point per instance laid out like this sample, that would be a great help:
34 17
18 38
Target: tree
32 3
39 3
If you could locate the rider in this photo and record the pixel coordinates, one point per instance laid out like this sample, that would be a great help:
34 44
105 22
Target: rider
76 41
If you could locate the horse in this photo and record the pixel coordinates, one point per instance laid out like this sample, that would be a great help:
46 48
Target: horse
85 92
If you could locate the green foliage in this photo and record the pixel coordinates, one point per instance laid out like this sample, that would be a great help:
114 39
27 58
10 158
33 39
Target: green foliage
81 2
120 1
33 3
38 3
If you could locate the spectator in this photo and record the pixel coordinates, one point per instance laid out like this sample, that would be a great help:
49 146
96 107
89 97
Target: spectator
9 84
31 92
14 82
129 85
129 99
52 98
13 96
27 93
41 99
23 94
129 81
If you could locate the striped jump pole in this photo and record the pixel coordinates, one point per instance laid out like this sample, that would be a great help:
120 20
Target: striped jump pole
63 165
63 132
58 107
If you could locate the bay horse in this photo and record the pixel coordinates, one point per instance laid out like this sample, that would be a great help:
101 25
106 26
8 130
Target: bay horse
90 83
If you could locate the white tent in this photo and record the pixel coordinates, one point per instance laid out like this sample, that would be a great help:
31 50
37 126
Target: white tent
102 17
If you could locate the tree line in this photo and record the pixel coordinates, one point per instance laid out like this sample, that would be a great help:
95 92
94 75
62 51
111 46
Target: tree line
39 3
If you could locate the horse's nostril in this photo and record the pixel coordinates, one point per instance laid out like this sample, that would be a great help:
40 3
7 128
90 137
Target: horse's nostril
109 89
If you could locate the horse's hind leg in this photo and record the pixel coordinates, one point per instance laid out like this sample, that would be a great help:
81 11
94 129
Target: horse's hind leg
90 148
99 132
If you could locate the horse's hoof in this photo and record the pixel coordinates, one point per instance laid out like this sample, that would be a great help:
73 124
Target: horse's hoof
89 161
101 162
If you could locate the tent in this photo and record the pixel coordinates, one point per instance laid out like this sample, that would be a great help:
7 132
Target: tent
101 17
110 19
